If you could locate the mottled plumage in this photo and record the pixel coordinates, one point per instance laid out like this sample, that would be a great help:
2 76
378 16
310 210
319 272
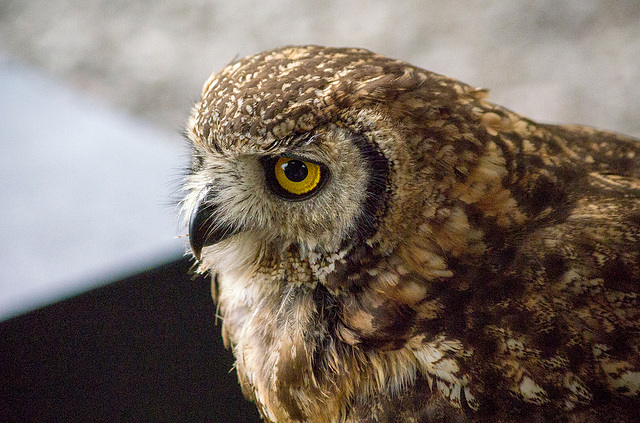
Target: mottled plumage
455 261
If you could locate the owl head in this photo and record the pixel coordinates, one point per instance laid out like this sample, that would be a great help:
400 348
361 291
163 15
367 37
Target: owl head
313 152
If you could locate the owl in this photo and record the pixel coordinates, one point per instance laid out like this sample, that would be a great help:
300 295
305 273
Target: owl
386 245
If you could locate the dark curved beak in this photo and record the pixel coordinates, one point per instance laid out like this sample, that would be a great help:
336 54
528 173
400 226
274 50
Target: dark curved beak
204 226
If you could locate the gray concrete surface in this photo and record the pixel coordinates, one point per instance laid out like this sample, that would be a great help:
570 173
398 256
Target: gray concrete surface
557 60
82 184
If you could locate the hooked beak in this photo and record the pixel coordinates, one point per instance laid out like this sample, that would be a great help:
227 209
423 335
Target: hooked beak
204 227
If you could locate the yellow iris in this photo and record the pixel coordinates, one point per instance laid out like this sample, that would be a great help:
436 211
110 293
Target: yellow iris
296 176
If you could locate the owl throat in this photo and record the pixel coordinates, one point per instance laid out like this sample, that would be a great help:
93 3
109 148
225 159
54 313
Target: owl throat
325 335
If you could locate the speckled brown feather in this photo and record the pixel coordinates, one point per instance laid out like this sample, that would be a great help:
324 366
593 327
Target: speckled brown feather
464 263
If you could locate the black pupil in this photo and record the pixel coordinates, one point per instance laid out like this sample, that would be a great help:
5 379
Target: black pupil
295 170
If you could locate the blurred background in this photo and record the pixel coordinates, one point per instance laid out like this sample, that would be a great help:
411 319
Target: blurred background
93 98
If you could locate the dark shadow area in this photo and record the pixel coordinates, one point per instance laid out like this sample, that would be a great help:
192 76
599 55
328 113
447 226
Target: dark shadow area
146 348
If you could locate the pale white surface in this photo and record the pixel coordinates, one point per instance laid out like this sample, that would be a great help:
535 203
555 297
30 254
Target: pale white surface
85 192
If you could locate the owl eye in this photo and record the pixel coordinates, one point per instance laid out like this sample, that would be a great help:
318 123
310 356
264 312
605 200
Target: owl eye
293 178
